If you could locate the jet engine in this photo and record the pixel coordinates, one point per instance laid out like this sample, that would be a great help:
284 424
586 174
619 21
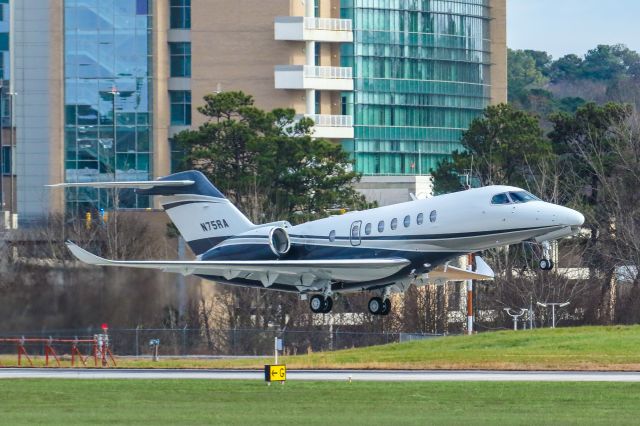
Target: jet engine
264 243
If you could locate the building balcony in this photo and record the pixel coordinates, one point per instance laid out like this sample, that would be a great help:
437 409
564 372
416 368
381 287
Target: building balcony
306 77
300 28
332 126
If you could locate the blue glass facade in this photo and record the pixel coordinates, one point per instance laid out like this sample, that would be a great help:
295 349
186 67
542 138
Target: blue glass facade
108 98
421 71
5 100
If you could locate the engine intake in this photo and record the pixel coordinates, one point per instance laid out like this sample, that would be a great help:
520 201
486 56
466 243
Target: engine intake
279 240
264 243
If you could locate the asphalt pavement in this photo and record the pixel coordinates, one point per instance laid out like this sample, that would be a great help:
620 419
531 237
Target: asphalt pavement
325 375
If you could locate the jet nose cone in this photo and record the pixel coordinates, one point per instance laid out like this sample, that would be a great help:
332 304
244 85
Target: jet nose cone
574 218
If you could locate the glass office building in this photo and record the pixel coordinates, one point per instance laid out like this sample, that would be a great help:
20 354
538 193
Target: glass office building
421 71
107 99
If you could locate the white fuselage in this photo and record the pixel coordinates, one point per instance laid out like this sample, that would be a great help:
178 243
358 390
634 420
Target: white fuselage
457 223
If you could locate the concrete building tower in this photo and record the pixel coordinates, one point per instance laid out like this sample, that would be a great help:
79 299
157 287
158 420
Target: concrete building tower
101 86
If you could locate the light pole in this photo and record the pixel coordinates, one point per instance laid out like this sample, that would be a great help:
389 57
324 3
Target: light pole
515 316
114 92
553 309
116 195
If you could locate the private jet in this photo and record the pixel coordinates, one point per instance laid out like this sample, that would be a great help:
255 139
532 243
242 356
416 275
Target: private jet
382 250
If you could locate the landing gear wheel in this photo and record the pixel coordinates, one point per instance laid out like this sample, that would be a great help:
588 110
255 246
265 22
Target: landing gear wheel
316 303
546 264
386 307
375 305
327 304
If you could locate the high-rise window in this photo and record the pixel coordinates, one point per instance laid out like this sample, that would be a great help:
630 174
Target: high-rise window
180 53
180 107
108 46
6 160
180 14
421 75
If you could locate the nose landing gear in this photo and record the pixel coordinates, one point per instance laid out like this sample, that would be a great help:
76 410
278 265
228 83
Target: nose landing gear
546 264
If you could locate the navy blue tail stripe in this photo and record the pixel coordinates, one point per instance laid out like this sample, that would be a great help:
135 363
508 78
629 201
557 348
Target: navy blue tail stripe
183 203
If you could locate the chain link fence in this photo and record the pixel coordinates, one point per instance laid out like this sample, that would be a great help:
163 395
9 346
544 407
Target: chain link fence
197 342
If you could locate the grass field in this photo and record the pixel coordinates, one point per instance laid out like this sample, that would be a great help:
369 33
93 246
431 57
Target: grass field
584 348
192 402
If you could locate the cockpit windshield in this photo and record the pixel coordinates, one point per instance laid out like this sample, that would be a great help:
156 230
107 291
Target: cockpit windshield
522 197
500 199
515 197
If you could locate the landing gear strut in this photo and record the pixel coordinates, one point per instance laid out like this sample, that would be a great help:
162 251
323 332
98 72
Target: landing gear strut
378 306
320 304
546 264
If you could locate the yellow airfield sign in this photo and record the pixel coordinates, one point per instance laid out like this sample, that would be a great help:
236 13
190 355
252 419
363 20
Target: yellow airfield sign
275 373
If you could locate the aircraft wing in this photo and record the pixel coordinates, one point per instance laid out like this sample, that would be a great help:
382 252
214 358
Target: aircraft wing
304 272
446 273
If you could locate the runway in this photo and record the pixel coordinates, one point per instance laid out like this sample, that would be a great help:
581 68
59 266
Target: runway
325 375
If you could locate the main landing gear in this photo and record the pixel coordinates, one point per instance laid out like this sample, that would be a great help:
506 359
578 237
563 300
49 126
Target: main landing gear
379 306
546 264
320 304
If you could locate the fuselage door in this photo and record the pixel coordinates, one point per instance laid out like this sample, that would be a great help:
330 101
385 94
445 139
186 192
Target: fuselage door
355 233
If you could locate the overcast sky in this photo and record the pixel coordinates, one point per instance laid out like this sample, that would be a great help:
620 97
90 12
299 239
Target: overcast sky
572 26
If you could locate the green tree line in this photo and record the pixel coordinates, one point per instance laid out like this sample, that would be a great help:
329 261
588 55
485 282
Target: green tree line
539 83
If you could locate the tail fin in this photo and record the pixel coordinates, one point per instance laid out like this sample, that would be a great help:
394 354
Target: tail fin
201 213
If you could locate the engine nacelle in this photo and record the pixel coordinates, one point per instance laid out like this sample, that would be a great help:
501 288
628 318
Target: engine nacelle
264 243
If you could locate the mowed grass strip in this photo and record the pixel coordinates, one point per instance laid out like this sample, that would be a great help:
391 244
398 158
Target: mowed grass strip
193 402
581 348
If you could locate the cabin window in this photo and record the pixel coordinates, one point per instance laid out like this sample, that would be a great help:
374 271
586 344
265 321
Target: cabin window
332 236
407 221
433 216
500 199
367 229
381 226
394 223
420 219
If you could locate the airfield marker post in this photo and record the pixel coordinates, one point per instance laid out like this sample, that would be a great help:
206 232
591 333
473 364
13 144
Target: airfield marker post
553 309
277 346
516 316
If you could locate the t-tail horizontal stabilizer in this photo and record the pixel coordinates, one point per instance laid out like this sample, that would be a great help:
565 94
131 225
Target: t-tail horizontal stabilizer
203 215
145 184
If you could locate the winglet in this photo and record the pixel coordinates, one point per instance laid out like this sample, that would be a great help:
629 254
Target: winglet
84 256
483 269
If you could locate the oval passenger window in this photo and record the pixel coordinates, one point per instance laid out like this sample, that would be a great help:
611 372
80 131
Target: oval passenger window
394 223
332 236
433 216
420 219
381 226
367 229
407 221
